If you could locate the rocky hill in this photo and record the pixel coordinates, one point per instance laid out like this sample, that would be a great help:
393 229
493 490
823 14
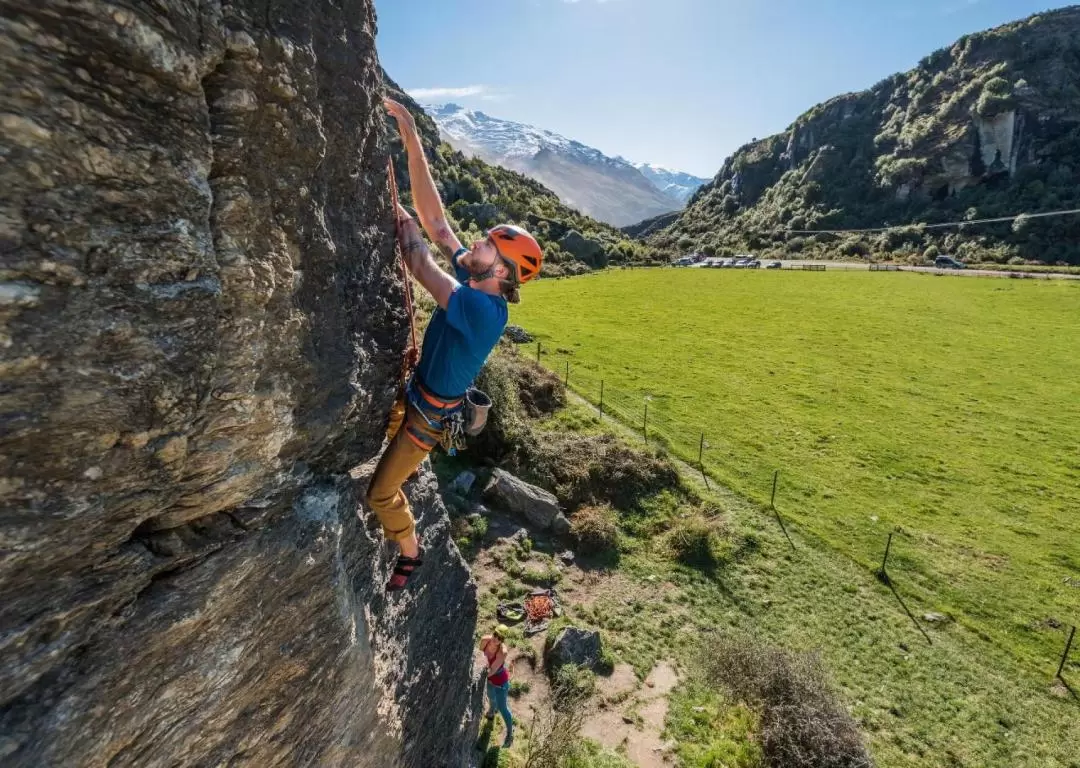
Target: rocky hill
202 329
610 189
987 127
479 194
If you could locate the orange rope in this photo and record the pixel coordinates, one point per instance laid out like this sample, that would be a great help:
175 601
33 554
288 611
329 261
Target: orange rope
412 353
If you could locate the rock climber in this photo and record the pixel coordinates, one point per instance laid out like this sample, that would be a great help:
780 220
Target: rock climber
470 318
498 680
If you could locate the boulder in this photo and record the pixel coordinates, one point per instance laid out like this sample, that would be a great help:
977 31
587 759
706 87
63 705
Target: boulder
463 483
203 330
517 334
514 495
560 526
584 249
575 646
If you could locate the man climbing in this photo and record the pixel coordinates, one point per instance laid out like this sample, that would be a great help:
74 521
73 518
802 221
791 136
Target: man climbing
462 332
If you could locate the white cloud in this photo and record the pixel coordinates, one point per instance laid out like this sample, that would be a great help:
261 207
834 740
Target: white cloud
447 93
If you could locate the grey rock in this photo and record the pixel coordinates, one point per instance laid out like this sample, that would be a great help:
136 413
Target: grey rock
935 618
518 497
560 526
517 334
463 483
203 327
566 556
583 249
575 646
477 508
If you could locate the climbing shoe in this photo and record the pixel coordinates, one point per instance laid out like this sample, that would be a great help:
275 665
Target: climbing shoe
403 570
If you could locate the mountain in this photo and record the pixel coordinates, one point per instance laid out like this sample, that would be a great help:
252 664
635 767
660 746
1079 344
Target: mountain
676 184
987 127
478 194
610 189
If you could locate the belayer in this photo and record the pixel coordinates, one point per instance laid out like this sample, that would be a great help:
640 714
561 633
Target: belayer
462 332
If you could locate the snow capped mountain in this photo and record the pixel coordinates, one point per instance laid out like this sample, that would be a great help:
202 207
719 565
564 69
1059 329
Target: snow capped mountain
607 188
677 184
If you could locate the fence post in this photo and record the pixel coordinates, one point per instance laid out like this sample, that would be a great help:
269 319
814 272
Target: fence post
772 499
645 423
566 381
701 460
1065 656
882 574
538 352
601 399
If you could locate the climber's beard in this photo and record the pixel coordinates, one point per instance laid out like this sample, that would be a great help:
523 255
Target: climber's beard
480 260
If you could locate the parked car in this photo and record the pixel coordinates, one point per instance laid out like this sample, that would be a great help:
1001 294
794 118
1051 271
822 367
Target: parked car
948 262
754 264
773 265
740 263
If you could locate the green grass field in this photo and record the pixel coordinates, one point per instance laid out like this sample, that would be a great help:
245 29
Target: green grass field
945 409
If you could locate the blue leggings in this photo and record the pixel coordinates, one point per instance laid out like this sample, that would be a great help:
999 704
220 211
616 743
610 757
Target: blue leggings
498 696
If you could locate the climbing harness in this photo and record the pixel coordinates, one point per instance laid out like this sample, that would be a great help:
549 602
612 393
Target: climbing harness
444 418
412 353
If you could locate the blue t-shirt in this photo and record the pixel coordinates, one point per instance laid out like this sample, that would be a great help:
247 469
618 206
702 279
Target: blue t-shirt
459 338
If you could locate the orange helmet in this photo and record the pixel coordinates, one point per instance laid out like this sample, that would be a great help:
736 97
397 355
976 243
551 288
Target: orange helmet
518 247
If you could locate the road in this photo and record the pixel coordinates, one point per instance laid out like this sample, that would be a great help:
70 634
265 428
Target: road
856 265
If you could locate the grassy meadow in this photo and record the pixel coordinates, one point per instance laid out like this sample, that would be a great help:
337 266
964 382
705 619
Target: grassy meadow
944 409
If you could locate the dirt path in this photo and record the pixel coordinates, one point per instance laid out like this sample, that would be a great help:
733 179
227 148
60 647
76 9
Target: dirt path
636 725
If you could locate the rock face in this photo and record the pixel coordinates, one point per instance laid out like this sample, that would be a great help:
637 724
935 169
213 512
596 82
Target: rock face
575 646
988 127
514 495
202 329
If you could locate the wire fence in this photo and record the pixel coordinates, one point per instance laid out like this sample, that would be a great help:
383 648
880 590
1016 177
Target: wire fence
707 452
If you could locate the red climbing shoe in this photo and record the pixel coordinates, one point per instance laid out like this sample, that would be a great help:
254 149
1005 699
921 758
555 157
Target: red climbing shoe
403 570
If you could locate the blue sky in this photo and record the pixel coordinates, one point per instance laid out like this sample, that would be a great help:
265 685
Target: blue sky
680 83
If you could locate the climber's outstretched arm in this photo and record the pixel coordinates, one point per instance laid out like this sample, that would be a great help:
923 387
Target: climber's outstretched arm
425 195
418 258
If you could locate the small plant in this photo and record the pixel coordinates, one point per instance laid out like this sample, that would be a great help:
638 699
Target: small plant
595 529
691 541
519 688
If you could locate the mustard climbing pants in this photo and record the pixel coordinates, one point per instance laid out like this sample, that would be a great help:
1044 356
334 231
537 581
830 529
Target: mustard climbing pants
412 436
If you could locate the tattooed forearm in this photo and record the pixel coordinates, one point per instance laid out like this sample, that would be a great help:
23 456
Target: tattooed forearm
445 250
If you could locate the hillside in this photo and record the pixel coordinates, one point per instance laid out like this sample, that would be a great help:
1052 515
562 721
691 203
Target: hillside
610 189
478 194
988 127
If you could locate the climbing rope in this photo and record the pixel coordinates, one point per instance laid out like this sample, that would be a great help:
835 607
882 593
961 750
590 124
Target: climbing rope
412 353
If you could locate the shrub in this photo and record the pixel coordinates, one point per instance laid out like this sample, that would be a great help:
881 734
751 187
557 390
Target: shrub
803 722
931 253
595 529
691 541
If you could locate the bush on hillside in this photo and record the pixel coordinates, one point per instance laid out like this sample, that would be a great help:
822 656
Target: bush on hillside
595 529
595 469
691 541
803 722
579 469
